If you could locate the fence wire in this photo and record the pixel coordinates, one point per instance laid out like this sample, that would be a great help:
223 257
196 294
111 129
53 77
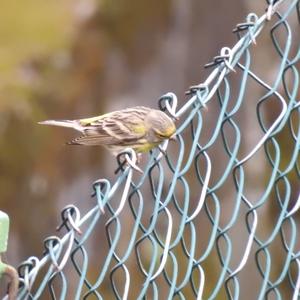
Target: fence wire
216 216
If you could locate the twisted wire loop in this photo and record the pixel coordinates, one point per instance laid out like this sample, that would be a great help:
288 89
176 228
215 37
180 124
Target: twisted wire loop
208 213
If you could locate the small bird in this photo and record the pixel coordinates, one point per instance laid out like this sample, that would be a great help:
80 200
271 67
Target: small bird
140 128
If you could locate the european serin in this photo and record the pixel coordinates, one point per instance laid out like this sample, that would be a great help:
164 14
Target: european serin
140 128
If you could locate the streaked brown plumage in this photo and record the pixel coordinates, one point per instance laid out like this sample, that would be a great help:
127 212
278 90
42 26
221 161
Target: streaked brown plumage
140 128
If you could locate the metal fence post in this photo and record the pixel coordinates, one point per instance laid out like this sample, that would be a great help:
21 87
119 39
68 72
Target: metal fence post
6 269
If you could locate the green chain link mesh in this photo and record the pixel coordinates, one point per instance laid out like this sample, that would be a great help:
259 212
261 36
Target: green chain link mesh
214 218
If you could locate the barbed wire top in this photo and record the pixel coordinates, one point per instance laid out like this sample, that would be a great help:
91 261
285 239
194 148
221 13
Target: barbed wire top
209 210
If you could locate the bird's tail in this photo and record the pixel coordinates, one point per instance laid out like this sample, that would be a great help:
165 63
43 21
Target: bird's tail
63 123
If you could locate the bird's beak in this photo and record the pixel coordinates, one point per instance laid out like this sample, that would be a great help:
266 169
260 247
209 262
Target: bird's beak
173 137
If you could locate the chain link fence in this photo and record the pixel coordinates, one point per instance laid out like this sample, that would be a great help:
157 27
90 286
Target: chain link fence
214 215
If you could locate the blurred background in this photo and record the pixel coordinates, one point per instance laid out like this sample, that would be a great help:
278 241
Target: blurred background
73 59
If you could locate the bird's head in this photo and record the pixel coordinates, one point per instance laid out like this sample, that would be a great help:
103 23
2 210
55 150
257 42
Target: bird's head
160 126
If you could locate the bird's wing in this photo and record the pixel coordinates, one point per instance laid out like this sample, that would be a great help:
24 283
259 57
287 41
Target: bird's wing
107 135
118 128
110 132
90 140
138 111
